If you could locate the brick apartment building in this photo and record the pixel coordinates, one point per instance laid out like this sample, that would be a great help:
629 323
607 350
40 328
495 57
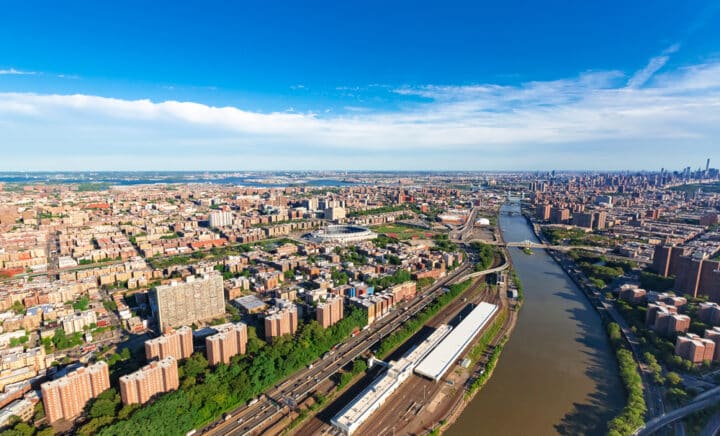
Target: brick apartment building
184 303
157 377
692 276
66 397
709 313
714 335
281 321
654 308
542 212
376 306
404 291
175 343
228 342
559 215
694 348
632 294
331 311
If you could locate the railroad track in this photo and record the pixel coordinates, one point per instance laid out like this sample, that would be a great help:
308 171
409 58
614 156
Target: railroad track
279 401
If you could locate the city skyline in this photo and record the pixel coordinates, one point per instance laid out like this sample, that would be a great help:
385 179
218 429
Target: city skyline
456 88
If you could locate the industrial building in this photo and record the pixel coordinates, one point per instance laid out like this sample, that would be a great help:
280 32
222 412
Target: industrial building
436 364
352 416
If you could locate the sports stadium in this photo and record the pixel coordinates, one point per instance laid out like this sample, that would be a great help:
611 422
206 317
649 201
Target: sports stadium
342 234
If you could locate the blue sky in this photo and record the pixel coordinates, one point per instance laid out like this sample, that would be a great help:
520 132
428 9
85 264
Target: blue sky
359 85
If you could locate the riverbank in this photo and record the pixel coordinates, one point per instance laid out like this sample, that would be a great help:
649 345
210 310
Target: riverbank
631 375
556 346
488 362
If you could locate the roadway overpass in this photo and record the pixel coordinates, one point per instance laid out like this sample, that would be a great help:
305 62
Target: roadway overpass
706 399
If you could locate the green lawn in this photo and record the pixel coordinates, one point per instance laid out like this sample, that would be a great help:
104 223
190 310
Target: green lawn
403 232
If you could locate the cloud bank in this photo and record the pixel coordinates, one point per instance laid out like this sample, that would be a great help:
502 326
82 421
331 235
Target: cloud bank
600 110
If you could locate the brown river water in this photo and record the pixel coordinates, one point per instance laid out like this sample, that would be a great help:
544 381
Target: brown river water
557 373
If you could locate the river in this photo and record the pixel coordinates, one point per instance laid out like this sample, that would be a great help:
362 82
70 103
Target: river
557 373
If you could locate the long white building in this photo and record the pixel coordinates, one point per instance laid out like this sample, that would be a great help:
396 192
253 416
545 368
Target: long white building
350 418
436 364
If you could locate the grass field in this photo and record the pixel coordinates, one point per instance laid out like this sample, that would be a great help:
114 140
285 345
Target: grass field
403 232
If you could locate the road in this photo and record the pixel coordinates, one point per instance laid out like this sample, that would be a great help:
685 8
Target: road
295 389
700 402
460 233
712 427
420 403
401 401
653 396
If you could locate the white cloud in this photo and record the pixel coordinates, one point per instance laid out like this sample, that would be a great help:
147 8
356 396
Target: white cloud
653 66
680 107
14 72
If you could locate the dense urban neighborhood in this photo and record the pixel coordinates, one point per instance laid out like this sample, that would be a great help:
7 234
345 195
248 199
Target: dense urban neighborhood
287 306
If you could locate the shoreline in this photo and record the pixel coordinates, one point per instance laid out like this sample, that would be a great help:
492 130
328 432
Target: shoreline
595 300
503 336
466 397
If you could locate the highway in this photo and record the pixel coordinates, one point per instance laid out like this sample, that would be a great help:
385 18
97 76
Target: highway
295 389
700 402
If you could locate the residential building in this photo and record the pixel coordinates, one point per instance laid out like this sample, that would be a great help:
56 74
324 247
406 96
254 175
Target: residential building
157 377
228 342
714 335
66 397
403 291
542 212
185 303
709 313
281 321
583 220
330 311
174 343
694 348
632 294
220 219
78 321
559 215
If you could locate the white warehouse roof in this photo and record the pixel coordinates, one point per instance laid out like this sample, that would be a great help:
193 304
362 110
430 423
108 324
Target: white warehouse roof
436 364
359 410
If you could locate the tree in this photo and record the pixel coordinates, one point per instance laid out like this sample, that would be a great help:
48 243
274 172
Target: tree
20 429
195 365
673 379
359 365
126 410
39 412
106 404
82 303
614 332
18 308
45 431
